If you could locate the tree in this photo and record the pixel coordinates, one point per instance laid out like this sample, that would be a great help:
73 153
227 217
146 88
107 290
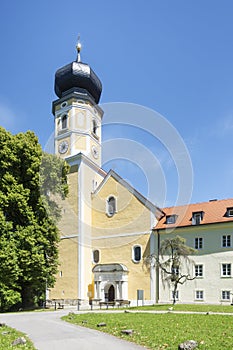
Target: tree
28 217
173 261
174 255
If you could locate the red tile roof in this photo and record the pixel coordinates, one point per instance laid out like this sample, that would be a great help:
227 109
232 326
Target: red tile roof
214 211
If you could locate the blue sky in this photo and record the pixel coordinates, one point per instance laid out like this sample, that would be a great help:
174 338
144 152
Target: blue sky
174 57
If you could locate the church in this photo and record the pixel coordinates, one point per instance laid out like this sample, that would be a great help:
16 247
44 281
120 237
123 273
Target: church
108 228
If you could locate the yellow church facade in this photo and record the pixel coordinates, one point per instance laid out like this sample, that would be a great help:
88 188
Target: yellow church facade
106 225
108 228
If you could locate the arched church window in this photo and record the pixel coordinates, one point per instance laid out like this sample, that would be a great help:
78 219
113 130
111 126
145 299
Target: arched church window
96 256
64 121
111 206
94 127
137 253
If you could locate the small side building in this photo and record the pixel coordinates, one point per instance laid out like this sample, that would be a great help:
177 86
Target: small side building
208 228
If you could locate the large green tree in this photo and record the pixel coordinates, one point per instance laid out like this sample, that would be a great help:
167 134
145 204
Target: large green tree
29 182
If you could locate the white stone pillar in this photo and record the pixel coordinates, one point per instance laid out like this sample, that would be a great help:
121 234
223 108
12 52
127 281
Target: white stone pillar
117 296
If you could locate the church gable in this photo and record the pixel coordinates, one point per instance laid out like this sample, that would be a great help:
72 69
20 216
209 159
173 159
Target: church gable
118 207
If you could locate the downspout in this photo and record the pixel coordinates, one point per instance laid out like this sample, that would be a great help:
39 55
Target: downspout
157 267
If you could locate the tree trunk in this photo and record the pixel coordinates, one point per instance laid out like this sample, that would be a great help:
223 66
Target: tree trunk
27 296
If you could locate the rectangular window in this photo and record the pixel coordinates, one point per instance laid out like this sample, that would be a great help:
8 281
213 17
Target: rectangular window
226 295
176 295
199 270
175 270
226 241
198 243
199 295
226 270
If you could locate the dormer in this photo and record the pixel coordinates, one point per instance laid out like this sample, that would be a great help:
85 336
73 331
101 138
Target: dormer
171 219
197 217
230 211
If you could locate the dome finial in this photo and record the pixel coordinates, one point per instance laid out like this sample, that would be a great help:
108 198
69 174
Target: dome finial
78 47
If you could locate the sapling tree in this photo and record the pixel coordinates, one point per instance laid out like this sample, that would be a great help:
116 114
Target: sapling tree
175 262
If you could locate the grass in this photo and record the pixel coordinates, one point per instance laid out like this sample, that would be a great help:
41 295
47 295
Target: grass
8 335
163 331
187 307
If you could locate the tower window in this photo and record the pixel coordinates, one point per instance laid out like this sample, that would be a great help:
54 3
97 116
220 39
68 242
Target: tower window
96 256
94 126
137 253
111 206
64 104
64 121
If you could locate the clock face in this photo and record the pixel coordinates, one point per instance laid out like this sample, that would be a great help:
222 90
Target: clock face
63 147
95 152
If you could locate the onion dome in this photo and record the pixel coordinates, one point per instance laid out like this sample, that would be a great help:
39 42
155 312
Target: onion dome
77 77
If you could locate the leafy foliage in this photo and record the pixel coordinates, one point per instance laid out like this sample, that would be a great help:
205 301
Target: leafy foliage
28 232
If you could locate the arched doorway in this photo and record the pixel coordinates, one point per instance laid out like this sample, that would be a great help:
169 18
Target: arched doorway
111 293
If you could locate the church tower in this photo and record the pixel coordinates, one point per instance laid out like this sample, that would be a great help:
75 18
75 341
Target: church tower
77 114
77 119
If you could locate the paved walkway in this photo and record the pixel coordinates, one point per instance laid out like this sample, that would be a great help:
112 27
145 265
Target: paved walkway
49 332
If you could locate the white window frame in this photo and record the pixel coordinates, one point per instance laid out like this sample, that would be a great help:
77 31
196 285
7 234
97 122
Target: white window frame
64 104
107 206
199 294
225 266
225 242
196 273
223 292
133 253
197 246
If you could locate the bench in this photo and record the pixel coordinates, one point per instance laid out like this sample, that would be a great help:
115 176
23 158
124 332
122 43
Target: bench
55 304
107 304
123 303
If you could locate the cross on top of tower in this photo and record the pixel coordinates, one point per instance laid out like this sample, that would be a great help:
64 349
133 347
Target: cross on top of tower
79 48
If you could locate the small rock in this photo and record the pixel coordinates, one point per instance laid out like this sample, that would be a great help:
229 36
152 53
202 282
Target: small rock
18 341
127 331
101 324
6 332
2 324
84 321
126 311
188 345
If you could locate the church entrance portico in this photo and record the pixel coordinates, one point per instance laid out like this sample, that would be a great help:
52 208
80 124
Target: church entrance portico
111 282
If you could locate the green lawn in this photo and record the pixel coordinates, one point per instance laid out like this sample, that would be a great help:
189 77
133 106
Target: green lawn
188 307
164 331
8 335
